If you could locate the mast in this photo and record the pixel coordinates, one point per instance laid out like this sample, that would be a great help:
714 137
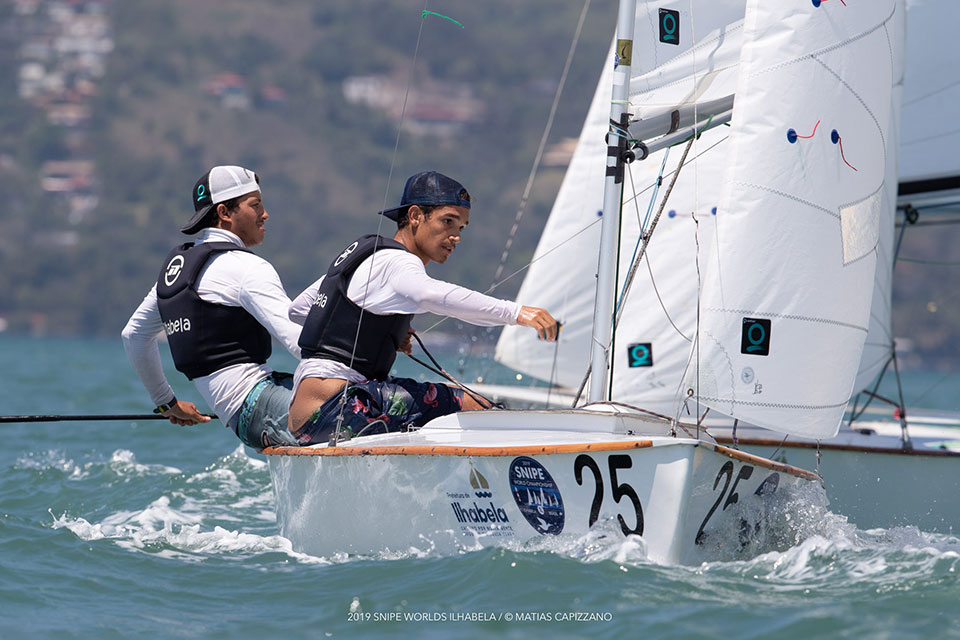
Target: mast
612 194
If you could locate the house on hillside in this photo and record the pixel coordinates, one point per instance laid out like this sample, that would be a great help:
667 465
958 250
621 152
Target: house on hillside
231 89
436 108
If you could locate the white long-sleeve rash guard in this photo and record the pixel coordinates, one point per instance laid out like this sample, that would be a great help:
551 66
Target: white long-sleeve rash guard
395 282
236 279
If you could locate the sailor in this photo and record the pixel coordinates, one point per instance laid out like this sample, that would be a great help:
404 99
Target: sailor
357 316
219 305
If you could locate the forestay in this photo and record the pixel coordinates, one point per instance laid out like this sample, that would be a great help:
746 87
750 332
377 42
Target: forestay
788 286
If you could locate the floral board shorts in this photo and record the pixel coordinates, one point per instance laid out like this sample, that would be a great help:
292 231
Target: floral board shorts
374 406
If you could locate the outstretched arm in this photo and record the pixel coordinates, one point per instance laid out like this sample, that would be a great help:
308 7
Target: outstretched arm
541 320
449 299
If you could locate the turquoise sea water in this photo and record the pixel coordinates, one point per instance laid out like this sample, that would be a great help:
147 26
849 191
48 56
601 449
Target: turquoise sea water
115 529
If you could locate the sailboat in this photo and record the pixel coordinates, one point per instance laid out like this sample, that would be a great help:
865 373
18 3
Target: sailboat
875 472
515 477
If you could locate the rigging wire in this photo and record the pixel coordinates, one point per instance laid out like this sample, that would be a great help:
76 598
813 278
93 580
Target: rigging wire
642 223
538 158
646 236
633 267
543 142
386 192
663 307
572 236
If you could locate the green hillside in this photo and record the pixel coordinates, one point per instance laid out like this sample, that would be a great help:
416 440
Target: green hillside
94 172
324 162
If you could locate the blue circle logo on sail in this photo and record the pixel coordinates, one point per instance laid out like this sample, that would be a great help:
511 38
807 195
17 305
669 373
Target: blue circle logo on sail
640 355
755 337
669 26
536 495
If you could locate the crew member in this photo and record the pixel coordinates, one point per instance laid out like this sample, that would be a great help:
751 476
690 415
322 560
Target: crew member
357 316
219 305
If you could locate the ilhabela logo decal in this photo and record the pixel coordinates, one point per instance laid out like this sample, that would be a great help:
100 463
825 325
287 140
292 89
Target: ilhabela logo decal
479 513
537 495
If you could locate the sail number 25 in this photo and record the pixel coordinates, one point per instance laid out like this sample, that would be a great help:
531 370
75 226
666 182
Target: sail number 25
618 490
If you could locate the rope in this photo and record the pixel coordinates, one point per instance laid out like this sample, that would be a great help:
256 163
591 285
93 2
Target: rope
633 267
646 237
553 368
571 237
386 191
521 209
482 400
663 307
543 142
854 414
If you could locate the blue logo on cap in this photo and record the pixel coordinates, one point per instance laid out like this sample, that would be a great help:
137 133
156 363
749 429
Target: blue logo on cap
201 193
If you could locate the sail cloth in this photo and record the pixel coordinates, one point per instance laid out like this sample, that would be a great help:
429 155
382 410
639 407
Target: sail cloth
786 297
878 347
928 146
652 341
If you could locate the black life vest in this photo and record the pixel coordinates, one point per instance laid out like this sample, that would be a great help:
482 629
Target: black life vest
205 337
330 329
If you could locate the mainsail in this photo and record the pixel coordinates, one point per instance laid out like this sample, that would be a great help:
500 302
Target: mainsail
785 305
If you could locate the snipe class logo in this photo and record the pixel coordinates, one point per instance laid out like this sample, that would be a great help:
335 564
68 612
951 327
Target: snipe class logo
537 495
174 268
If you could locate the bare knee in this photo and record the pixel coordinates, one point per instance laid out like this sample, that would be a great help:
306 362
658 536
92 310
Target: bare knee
469 404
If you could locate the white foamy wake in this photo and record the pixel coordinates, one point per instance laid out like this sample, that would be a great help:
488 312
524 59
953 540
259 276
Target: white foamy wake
173 533
194 519
122 464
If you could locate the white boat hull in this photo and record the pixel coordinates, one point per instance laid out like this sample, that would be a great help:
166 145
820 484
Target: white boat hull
870 477
487 478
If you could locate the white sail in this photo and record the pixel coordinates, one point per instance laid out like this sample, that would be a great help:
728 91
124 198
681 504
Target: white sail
878 347
660 312
930 85
930 132
786 300
661 309
562 274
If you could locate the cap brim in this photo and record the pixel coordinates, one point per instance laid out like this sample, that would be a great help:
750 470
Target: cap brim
394 213
196 222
